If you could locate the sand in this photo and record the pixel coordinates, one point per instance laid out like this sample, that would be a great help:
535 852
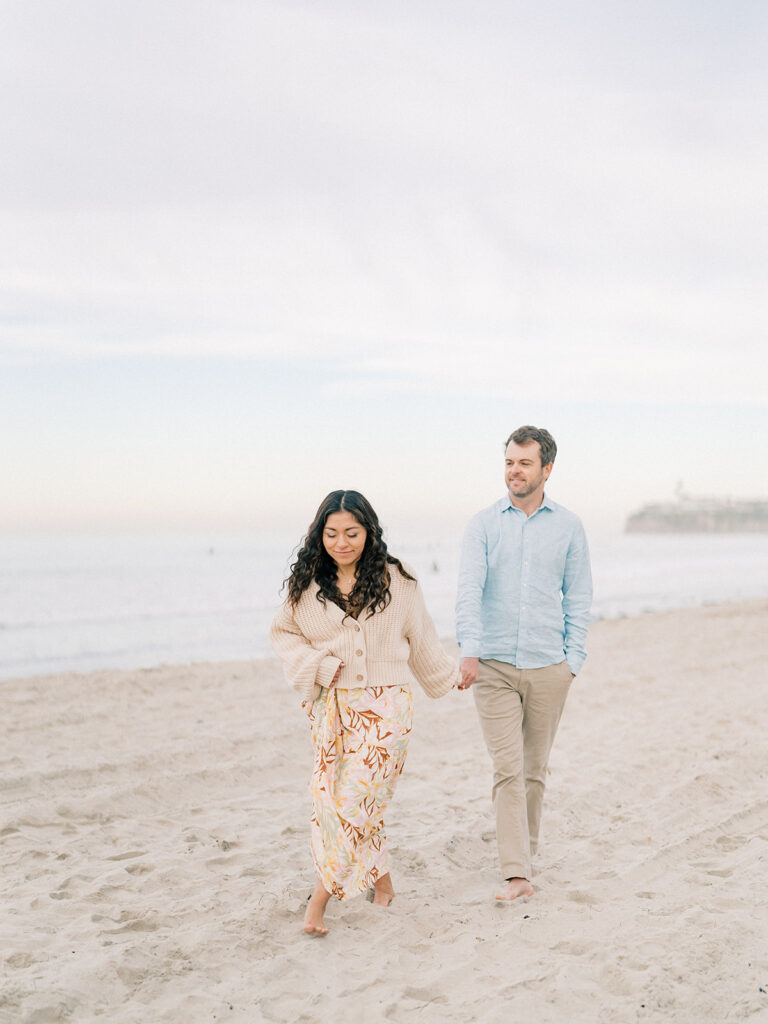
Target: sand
155 863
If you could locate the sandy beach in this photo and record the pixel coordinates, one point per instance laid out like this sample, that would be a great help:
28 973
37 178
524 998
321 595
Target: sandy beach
155 861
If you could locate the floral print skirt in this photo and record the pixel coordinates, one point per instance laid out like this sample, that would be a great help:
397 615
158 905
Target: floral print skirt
360 738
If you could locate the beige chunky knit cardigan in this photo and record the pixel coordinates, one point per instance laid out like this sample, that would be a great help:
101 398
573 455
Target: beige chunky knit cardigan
390 648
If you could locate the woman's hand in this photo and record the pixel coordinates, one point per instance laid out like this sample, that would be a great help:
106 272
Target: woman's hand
336 676
469 669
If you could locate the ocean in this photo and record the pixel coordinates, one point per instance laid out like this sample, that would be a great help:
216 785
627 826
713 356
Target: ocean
77 602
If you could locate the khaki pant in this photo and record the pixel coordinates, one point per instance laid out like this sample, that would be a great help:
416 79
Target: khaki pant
519 712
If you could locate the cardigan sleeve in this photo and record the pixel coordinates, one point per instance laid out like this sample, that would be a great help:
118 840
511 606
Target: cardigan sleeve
435 670
306 668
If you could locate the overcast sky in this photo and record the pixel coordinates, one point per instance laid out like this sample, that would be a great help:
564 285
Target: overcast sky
254 251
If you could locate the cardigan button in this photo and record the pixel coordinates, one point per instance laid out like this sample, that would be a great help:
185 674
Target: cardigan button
359 679
357 629
359 654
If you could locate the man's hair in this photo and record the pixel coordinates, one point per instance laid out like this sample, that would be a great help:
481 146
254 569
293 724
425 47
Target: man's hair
527 434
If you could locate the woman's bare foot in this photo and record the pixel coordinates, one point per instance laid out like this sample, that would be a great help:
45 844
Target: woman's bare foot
515 888
313 918
383 893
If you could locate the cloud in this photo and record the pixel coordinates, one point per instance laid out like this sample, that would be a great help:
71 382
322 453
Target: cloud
430 195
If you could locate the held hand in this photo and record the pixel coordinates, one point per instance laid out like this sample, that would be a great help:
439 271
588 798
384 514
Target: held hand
336 676
469 669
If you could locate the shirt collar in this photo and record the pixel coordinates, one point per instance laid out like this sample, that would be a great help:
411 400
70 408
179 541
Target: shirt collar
505 504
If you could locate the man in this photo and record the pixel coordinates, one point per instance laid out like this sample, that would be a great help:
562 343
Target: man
522 611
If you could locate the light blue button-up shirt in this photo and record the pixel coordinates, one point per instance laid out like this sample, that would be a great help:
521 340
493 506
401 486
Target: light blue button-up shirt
525 586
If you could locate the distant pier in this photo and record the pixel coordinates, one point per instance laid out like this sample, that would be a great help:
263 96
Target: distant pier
700 515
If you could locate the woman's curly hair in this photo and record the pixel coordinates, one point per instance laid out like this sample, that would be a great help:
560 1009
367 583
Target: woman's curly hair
313 563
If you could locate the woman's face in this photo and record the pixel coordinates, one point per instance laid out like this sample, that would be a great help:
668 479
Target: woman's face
344 539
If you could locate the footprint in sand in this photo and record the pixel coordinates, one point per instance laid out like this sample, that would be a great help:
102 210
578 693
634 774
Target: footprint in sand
140 869
421 997
137 925
103 893
730 843
574 948
226 846
579 896
22 960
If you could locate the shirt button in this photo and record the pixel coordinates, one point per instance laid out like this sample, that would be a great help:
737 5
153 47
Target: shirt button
359 653
359 679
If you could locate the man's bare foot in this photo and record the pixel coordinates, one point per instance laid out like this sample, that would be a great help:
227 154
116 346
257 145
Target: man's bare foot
383 893
515 888
313 918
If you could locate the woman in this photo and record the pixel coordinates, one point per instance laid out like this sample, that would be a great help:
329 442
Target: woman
352 634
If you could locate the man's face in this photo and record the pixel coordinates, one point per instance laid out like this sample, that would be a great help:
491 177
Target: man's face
523 471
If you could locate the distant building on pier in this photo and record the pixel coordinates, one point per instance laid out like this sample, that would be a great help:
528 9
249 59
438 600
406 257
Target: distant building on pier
700 515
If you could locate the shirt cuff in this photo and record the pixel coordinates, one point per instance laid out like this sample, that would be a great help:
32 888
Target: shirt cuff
575 662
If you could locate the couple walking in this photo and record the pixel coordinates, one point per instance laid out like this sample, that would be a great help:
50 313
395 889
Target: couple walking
354 633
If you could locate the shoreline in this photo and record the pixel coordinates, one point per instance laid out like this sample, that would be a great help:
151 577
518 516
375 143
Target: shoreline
155 861
447 641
